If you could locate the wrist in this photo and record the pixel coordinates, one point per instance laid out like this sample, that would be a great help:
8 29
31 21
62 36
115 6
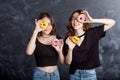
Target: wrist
95 20
60 51
36 31
70 50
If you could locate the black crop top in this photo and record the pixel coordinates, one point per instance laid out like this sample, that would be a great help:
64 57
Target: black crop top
45 55
86 55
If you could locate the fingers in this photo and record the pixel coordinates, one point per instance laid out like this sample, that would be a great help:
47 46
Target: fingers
35 20
57 42
85 12
61 41
87 21
68 40
58 45
88 17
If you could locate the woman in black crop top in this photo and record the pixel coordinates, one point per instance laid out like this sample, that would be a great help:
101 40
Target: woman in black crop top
47 48
81 44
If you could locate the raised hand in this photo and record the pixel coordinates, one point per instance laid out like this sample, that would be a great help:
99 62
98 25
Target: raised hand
70 43
57 44
37 26
89 19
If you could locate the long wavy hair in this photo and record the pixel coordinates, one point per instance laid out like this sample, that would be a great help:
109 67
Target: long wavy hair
45 14
71 31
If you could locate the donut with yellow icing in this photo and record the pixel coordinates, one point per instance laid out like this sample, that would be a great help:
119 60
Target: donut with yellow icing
75 39
43 24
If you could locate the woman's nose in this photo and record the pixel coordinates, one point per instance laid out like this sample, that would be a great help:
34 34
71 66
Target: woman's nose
76 21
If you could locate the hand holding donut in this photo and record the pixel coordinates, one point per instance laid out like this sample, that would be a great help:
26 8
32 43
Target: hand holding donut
81 18
57 44
43 24
75 39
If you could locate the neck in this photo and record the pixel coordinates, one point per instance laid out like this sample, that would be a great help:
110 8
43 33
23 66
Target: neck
45 35
79 32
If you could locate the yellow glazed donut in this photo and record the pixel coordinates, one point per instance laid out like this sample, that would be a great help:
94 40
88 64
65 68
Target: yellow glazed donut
43 24
75 39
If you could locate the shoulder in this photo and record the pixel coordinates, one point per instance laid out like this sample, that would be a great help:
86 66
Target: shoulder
97 31
96 28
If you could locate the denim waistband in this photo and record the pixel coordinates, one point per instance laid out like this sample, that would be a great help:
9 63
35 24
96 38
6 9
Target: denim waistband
47 73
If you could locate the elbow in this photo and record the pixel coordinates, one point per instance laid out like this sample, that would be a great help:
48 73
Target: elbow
110 25
113 22
62 62
68 62
28 52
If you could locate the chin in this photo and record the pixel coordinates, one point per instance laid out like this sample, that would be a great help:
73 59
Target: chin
76 27
46 32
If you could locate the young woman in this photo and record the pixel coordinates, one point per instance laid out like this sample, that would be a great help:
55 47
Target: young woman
46 51
82 53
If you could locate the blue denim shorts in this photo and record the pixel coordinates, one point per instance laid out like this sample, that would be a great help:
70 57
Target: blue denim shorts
42 75
84 75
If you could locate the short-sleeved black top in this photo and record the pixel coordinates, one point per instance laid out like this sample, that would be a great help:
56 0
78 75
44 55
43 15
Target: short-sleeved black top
86 55
45 55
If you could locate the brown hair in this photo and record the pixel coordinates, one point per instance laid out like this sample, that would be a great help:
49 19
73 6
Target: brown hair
71 31
45 14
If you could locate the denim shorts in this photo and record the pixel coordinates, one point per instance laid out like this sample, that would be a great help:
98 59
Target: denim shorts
42 75
84 75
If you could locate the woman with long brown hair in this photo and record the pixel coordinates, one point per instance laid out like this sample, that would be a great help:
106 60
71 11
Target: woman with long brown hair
81 44
47 48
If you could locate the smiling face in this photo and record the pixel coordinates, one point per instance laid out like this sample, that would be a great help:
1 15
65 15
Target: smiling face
75 23
47 18
49 27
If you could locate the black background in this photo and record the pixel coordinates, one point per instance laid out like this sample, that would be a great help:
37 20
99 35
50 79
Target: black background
17 24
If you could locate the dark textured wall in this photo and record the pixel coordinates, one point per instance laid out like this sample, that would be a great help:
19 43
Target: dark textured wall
17 23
